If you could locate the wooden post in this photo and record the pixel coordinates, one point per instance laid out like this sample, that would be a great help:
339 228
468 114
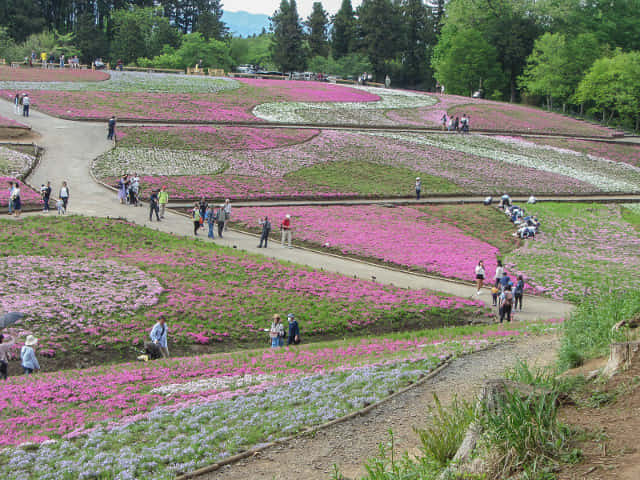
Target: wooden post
621 357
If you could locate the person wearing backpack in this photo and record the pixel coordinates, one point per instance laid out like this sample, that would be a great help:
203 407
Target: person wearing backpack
158 336
506 304
518 292
266 230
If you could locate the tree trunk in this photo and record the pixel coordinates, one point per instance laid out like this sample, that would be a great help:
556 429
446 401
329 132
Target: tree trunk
582 109
564 108
621 357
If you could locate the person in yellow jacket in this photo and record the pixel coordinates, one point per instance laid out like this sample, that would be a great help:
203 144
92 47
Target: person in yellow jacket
163 199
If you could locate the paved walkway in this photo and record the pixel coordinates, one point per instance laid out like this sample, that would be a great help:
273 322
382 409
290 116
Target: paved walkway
70 147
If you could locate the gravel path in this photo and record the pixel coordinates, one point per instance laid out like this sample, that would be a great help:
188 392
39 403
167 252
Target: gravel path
349 444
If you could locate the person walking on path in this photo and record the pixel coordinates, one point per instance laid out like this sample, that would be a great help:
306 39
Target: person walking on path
196 218
112 128
10 202
46 196
158 336
28 355
418 187
518 293
285 228
122 189
294 330
6 342
506 303
15 200
26 101
276 332
64 196
227 213
479 276
266 230
210 218
202 205
221 218
163 199
444 121
499 272
16 104
153 206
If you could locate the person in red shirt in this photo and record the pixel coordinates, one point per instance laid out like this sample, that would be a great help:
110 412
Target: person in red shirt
285 227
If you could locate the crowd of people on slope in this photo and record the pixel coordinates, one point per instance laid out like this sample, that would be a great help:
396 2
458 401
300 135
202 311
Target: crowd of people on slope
506 296
15 198
456 124
527 225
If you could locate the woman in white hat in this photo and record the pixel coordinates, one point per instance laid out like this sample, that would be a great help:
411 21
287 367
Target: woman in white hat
28 355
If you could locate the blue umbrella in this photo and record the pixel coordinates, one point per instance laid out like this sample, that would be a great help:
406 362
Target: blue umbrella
10 318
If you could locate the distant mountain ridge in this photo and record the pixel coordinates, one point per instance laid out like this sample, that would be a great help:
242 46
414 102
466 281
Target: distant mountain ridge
244 23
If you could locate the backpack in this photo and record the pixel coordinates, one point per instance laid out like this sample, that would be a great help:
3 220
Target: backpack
508 299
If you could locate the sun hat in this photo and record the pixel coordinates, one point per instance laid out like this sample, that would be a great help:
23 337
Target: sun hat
287 216
30 341
417 178
291 315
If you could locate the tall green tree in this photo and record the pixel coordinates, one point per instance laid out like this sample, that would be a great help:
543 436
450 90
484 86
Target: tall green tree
318 26
22 18
419 38
287 46
343 33
90 38
380 25
209 20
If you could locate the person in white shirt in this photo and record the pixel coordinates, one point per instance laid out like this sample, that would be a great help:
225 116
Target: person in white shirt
26 101
64 195
499 272
227 211
479 276
15 200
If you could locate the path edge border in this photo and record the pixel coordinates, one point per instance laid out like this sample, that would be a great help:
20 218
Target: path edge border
310 431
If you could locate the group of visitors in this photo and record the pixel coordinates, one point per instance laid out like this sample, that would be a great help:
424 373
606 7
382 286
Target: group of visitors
128 189
528 225
15 198
21 104
277 333
204 212
28 358
505 295
456 124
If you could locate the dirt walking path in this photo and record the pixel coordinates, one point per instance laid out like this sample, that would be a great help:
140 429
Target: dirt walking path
70 147
351 443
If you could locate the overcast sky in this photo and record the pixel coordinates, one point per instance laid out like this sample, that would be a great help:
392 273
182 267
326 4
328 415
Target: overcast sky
269 6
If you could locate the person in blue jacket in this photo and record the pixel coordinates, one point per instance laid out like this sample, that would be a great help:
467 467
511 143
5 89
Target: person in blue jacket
28 355
294 330
159 336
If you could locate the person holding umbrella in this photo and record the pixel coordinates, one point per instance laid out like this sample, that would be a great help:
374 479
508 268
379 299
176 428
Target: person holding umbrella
6 342
28 355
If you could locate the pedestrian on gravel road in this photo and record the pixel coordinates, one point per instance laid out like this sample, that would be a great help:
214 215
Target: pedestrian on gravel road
64 196
479 276
26 102
506 304
227 213
221 218
16 200
6 342
10 202
28 355
499 272
518 292
112 128
210 218
163 199
266 230
196 218
46 196
158 336
285 228
418 187
153 206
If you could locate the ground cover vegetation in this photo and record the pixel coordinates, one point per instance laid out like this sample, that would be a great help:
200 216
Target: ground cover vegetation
9 122
541 52
107 282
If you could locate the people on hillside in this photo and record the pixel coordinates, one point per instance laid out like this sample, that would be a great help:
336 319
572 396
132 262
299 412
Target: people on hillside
221 218
16 200
64 196
418 187
285 228
479 276
28 355
265 224
276 332
506 303
196 218
294 330
163 200
6 342
111 126
158 336
153 206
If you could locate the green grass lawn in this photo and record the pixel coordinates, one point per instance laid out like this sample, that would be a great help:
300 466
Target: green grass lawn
373 179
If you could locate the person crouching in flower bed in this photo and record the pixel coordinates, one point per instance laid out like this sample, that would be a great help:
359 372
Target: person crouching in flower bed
276 332
28 355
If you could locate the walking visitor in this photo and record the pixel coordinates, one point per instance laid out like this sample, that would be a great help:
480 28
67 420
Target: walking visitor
479 276
499 271
64 196
266 230
46 196
28 355
285 228
153 206
6 342
112 128
418 187
518 293
210 218
122 189
221 218
227 213
15 200
506 302
294 330
10 202
26 101
163 199
16 104
196 219
276 332
158 336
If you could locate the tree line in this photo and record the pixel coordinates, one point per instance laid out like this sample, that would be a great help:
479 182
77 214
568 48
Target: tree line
578 55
